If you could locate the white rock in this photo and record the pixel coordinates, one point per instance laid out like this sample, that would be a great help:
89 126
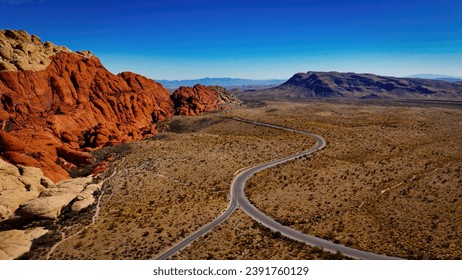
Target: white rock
86 197
52 200
14 243
17 189
19 50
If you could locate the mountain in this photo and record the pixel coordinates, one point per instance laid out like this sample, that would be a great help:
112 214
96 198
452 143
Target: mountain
437 77
192 101
352 85
450 79
57 105
224 82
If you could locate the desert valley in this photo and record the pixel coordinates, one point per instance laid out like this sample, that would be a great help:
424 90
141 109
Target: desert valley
102 166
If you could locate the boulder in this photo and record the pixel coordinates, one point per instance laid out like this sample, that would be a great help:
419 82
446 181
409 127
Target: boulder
51 201
86 197
14 243
26 192
18 186
192 101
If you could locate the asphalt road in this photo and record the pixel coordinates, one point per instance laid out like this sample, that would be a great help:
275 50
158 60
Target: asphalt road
238 199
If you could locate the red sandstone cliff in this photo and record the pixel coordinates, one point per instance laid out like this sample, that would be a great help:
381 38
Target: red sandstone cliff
191 101
75 103
50 117
56 105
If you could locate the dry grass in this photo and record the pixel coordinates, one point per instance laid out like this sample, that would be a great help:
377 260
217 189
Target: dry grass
241 238
174 183
388 181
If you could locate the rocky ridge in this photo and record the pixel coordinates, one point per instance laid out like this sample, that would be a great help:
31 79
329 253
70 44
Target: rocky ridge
60 105
225 96
26 194
21 51
352 85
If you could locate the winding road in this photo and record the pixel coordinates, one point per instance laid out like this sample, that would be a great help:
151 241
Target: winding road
238 199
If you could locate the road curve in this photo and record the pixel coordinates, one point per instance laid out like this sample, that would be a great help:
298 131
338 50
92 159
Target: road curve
238 199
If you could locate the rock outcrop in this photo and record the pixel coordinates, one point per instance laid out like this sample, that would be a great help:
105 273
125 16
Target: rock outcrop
86 197
18 186
27 195
50 202
225 96
53 111
192 101
57 105
14 243
21 51
26 192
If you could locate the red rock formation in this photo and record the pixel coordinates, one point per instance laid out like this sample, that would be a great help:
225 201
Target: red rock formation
196 100
74 104
56 105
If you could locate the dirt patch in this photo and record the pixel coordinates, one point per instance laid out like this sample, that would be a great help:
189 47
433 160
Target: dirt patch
388 180
169 186
241 238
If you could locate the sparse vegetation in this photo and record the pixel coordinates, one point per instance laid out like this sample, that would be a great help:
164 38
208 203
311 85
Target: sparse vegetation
388 181
242 238
170 185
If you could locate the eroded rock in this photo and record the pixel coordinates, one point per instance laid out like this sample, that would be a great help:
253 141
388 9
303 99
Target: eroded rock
14 243
50 202
192 101
18 186
21 51
65 104
86 197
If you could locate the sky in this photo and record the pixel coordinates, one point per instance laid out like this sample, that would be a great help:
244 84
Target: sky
255 39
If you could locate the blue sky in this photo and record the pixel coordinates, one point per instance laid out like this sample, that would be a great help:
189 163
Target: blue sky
251 39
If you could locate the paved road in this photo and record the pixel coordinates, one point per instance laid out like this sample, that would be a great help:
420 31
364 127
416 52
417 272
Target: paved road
238 199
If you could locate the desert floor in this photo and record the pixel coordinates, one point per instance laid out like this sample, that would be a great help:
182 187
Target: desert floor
388 181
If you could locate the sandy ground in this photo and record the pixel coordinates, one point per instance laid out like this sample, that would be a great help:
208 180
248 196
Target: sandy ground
241 238
172 184
388 181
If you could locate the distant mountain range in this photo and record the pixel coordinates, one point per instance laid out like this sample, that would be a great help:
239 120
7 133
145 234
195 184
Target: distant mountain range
352 85
437 77
224 82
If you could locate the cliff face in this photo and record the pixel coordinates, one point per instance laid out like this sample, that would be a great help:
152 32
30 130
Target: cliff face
49 116
191 101
56 105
